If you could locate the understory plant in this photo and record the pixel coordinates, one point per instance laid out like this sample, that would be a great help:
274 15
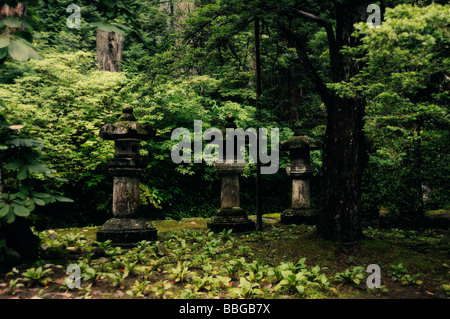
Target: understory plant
402 274
37 276
351 276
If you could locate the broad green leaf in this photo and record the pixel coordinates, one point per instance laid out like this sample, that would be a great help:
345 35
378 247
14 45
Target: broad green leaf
23 173
3 52
4 42
22 195
14 164
21 51
9 196
106 27
40 195
20 210
39 201
12 22
63 199
121 26
4 210
300 289
10 217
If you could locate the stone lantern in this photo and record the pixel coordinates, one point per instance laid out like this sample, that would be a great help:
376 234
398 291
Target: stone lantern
230 215
126 228
299 147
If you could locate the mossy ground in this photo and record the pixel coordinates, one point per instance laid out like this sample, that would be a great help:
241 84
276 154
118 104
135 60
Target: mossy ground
193 263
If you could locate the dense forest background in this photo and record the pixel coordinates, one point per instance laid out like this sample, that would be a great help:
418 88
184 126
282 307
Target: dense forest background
189 60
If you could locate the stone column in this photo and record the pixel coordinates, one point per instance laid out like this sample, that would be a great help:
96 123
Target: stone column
126 228
300 171
230 215
126 197
230 190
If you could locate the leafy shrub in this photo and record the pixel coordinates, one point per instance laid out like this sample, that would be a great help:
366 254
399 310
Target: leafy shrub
351 276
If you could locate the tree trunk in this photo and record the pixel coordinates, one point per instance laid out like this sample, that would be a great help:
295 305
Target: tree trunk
343 153
342 168
109 50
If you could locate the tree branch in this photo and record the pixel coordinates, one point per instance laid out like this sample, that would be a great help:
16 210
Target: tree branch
335 57
307 63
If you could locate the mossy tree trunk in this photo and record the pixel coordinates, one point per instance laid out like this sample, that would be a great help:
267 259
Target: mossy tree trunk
343 153
109 50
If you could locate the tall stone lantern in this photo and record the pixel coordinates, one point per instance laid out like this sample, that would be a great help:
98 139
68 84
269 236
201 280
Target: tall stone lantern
300 171
126 228
230 215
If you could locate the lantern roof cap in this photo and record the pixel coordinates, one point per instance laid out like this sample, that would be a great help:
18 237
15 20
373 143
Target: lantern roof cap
299 141
126 128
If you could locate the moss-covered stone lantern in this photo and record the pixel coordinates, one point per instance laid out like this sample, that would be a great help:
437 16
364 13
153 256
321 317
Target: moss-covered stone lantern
300 171
126 228
230 215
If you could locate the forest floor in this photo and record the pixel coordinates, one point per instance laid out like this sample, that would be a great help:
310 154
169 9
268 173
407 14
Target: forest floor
189 261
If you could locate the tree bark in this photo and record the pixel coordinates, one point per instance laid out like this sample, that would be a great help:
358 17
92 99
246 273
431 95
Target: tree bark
109 50
342 168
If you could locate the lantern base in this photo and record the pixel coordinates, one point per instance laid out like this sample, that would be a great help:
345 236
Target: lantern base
126 232
234 218
300 216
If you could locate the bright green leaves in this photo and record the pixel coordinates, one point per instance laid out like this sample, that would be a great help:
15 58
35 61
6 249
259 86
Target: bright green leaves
12 22
351 276
14 42
22 174
404 83
13 205
21 50
20 210
4 42
4 210
24 202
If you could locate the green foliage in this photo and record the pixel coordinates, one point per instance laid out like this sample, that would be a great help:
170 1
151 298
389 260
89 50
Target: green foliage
402 274
16 37
63 101
446 288
37 276
247 289
24 174
137 291
351 276
12 286
404 82
181 272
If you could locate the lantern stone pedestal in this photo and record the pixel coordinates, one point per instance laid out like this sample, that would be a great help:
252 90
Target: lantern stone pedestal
126 228
299 147
230 215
